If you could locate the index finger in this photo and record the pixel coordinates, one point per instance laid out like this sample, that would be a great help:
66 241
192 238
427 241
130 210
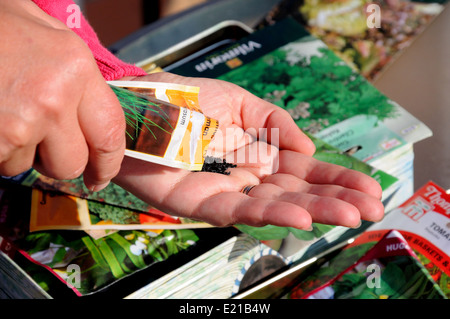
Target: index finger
102 121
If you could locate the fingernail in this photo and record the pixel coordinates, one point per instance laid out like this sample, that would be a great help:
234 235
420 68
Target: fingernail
310 228
357 226
96 188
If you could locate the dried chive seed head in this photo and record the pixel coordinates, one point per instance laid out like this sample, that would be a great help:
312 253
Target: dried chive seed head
216 165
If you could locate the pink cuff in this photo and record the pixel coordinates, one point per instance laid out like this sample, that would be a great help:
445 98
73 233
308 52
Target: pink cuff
110 66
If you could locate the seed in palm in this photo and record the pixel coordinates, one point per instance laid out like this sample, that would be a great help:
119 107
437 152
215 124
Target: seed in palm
216 165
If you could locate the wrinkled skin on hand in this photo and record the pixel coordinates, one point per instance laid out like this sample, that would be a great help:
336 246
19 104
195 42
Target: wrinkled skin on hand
292 188
51 117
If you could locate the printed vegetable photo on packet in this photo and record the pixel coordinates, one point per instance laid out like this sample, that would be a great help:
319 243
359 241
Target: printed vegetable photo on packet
164 123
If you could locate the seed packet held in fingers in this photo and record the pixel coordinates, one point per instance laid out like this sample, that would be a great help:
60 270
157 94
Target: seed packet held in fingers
164 123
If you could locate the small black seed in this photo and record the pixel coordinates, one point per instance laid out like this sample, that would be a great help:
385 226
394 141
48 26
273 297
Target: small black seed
216 165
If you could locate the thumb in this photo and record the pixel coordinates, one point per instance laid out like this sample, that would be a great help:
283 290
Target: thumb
102 121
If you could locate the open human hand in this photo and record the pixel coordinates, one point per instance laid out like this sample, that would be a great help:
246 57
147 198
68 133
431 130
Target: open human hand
292 189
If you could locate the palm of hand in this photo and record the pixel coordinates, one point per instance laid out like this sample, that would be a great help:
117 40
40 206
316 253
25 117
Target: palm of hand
293 189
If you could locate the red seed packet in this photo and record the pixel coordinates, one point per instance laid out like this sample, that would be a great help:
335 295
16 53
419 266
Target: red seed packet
389 270
424 221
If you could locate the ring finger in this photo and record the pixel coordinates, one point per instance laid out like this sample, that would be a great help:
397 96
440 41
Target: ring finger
327 204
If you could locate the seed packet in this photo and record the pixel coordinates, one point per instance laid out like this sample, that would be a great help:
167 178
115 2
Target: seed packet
83 264
177 94
424 221
389 270
53 211
113 194
164 123
101 262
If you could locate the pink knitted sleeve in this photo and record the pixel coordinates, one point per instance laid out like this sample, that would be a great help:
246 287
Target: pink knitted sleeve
110 66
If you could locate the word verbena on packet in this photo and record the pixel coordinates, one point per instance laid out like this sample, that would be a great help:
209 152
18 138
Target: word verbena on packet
164 123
